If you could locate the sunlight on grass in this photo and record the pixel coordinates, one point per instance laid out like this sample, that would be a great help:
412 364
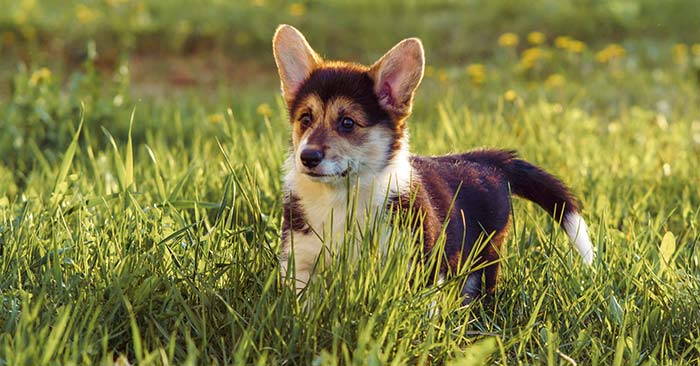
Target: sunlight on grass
147 231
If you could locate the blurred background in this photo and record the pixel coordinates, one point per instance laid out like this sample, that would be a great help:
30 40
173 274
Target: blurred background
186 44
206 57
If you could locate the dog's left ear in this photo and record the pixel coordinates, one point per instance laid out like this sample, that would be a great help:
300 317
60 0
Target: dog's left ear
396 76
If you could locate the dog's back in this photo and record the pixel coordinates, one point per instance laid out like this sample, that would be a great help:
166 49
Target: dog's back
471 192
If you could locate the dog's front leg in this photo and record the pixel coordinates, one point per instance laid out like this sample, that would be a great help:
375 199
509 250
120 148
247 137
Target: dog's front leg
300 277
304 250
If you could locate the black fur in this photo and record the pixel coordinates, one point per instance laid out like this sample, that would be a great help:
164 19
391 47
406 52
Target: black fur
346 81
480 183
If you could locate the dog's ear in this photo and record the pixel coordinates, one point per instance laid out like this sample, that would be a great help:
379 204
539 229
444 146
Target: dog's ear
396 76
295 59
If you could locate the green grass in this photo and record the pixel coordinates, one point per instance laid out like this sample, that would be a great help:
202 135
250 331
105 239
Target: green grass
149 228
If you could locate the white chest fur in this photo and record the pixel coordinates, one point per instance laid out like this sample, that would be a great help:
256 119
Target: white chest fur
333 210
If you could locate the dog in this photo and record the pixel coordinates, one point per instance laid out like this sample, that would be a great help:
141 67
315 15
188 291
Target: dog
349 124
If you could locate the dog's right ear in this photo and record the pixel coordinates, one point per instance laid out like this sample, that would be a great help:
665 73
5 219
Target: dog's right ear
295 60
397 75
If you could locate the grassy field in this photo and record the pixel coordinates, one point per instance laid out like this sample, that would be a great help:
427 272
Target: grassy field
144 226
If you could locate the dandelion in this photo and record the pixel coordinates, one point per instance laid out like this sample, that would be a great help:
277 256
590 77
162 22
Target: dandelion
43 74
477 73
536 38
510 95
562 42
680 53
695 49
555 80
264 110
442 76
569 44
216 118
508 40
610 52
85 14
575 46
530 57
297 9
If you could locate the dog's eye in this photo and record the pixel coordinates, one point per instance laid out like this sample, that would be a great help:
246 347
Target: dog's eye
305 119
346 124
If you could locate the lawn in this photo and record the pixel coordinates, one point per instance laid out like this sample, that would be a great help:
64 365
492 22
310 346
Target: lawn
141 153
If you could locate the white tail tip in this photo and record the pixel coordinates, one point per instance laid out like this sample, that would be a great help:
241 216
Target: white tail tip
577 230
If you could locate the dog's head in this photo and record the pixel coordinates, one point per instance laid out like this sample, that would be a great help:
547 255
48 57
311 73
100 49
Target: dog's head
346 118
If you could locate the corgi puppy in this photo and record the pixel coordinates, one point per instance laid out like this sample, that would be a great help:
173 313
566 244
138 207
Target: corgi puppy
348 124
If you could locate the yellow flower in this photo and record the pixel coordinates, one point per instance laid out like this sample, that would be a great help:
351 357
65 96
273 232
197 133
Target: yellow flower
216 118
297 9
85 14
529 57
442 75
429 71
680 53
562 42
264 110
569 44
575 46
510 95
536 38
610 52
555 80
43 74
508 40
695 49
477 73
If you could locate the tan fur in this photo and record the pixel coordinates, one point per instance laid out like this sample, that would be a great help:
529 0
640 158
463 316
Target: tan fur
295 59
401 69
364 146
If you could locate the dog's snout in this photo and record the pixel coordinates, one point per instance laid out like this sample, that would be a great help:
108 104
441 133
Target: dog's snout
311 157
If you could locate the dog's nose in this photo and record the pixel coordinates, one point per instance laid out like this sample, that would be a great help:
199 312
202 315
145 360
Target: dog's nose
311 157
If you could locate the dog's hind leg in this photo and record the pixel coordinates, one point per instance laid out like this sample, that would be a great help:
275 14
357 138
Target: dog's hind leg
472 287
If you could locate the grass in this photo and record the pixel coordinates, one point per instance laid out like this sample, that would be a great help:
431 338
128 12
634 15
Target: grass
148 229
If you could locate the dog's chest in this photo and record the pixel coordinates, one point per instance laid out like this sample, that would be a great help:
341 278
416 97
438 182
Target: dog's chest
333 213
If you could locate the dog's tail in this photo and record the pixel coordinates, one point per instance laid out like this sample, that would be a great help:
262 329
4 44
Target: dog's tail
533 183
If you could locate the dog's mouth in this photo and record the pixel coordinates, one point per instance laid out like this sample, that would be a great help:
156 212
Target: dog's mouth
342 174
